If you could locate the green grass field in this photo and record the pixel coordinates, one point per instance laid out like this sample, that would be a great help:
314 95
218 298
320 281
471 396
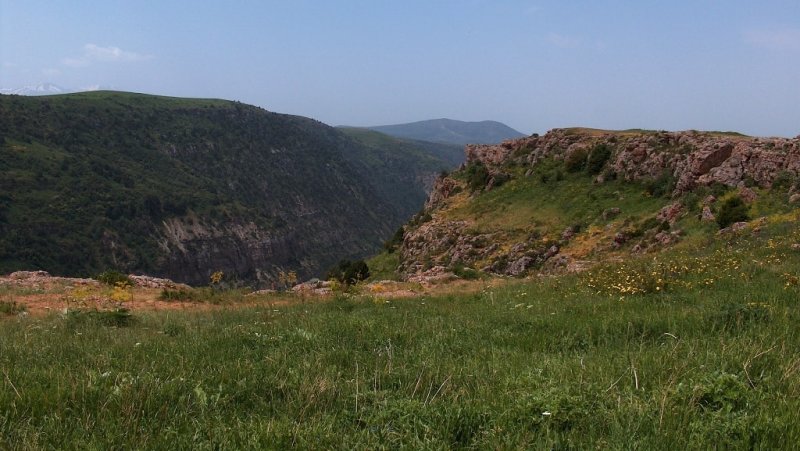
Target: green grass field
697 348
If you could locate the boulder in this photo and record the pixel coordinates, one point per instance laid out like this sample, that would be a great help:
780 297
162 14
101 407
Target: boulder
671 213
748 195
519 266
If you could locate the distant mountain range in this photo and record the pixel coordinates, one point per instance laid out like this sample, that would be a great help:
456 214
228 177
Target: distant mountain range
42 89
185 187
450 131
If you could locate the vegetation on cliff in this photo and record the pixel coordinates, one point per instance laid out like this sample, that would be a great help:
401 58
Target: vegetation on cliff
574 197
185 187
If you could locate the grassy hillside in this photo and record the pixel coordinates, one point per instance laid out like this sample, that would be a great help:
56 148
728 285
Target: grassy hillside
185 187
697 348
451 131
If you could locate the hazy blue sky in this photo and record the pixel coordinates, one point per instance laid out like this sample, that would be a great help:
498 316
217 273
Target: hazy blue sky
535 65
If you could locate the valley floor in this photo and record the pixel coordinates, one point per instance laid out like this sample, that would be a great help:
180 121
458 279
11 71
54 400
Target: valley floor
696 347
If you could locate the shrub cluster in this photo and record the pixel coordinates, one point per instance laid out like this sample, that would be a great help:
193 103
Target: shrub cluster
477 175
732 210
349 272
598 158
113 278
661 186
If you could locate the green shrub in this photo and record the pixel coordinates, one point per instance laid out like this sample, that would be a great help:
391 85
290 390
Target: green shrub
477 175
784 180
598 158
113 277
395 241
731 211
691 201
349 272
661 186
576 160
500 179
465 273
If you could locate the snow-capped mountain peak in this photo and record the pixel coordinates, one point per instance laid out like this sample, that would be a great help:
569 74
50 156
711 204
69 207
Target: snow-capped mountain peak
42 89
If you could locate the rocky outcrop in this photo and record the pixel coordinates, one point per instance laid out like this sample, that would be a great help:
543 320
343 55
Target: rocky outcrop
490 155
681 161
155 282
670 213
692 158
442 189
42 280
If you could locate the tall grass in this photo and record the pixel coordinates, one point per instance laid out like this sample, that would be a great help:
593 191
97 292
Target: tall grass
569 362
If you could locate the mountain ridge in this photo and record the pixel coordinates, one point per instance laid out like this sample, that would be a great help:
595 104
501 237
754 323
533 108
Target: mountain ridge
451 131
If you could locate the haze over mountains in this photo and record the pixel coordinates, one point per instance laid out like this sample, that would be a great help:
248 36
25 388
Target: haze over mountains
185 187
451 131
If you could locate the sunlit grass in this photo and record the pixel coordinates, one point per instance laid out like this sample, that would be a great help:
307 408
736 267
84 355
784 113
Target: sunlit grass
709 356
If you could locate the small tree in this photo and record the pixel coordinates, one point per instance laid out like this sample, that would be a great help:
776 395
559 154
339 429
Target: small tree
477 176
732 210
597 159
575 160
349 272
287 279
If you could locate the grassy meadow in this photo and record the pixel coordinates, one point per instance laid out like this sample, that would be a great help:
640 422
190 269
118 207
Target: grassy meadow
695 348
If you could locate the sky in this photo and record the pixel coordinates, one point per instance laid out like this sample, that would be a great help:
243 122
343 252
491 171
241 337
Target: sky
534 65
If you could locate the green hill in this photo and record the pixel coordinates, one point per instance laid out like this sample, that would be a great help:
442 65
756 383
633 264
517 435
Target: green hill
185 187
450 131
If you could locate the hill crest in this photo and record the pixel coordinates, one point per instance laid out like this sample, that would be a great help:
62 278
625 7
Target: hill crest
451 131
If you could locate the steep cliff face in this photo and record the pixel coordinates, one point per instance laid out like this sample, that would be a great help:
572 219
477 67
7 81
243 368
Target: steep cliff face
572 196
182 188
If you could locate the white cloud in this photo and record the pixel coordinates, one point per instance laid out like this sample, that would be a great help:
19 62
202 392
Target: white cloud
9 65
563 41
779 39
95 53
51 72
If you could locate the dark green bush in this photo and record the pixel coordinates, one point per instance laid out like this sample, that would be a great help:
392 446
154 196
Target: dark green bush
784 180
477 175
732 210
598 158
465 273
500 179
395 241
691 201
575 161
661 186
349 272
